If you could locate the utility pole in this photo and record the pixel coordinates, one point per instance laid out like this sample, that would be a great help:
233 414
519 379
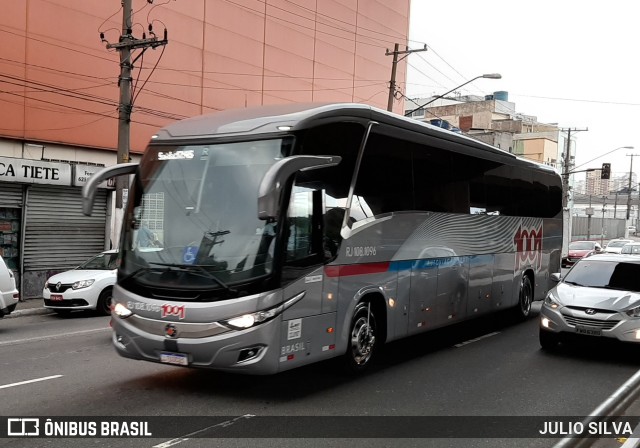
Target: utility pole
125 45
567 166
392 83
629 187
567 215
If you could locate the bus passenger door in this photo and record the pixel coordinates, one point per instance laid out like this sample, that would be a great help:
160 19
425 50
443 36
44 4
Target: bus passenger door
306 334
303 255
481 299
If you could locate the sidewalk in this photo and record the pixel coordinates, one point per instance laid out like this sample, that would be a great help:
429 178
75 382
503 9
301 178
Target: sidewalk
29 307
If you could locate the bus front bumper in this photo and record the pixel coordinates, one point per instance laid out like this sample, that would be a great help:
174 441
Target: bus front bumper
252 351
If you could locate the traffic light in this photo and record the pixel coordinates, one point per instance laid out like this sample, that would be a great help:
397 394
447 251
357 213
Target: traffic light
606 171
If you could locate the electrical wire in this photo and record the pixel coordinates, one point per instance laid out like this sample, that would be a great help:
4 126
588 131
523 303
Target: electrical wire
397 36
56 129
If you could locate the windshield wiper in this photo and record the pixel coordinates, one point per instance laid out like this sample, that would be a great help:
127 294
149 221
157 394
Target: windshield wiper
140 271
199 267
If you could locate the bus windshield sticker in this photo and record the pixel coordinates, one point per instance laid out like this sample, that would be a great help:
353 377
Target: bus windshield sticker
295 329
174 155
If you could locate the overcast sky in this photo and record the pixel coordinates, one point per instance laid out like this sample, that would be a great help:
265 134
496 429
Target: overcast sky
569 62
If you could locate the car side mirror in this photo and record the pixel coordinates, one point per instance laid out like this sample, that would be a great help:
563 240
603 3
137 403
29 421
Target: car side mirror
556 276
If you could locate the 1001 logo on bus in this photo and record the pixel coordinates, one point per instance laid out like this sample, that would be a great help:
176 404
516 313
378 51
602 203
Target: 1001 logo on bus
172 310
528 246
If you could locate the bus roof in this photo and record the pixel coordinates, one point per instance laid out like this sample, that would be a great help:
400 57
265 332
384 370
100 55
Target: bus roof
283 118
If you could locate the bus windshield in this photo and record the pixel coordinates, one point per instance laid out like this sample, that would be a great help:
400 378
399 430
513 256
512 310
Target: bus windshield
192 220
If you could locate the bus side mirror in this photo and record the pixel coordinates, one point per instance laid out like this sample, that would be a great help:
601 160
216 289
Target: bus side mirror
89 189
275 179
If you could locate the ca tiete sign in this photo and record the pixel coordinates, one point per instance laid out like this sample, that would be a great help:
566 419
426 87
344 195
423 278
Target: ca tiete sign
40 172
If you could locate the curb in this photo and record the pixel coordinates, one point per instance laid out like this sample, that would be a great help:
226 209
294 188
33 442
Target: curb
28 312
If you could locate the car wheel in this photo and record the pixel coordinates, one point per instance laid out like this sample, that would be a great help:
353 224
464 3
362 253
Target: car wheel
11 308
525 298
363 336
548 340
104 302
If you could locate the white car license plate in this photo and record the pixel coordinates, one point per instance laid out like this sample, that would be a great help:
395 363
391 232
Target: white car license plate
179 359
55 297
589 331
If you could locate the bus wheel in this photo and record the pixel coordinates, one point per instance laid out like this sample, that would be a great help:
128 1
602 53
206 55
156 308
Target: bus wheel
525 298
362 338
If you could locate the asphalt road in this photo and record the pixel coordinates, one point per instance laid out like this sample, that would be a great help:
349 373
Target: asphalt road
491 367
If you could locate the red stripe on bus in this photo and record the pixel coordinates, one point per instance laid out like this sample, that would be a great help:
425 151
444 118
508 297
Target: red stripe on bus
356 269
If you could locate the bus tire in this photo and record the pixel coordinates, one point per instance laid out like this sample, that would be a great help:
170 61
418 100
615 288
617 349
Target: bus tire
104 302
525 298
363 338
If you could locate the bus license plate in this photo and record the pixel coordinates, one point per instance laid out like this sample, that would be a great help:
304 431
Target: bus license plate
179 359
589 331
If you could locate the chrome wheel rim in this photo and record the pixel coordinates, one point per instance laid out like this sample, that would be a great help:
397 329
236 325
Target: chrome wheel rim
362 341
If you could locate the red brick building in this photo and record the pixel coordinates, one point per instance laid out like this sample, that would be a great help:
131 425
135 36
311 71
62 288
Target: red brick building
59 94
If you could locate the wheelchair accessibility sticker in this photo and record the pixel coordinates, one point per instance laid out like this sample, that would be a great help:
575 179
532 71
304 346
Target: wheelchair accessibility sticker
189 254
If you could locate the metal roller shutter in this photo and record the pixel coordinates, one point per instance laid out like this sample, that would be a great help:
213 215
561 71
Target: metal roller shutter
57 235
10 195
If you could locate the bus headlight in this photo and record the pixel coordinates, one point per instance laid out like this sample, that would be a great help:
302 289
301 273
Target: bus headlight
121 311
249 320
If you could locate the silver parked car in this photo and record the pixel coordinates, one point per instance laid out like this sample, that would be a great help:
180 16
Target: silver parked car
599 296
615 246
631 248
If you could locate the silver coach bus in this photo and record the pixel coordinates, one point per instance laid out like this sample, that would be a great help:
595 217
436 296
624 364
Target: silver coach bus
263 239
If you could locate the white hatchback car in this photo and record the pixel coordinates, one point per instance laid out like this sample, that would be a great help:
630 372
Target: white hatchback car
87 287
9 295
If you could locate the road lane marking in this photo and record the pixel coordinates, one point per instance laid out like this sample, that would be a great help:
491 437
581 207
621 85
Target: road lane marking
31 381
470 341
186 437
52 336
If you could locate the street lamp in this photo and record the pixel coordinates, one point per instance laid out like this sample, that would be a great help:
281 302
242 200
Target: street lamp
487 75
